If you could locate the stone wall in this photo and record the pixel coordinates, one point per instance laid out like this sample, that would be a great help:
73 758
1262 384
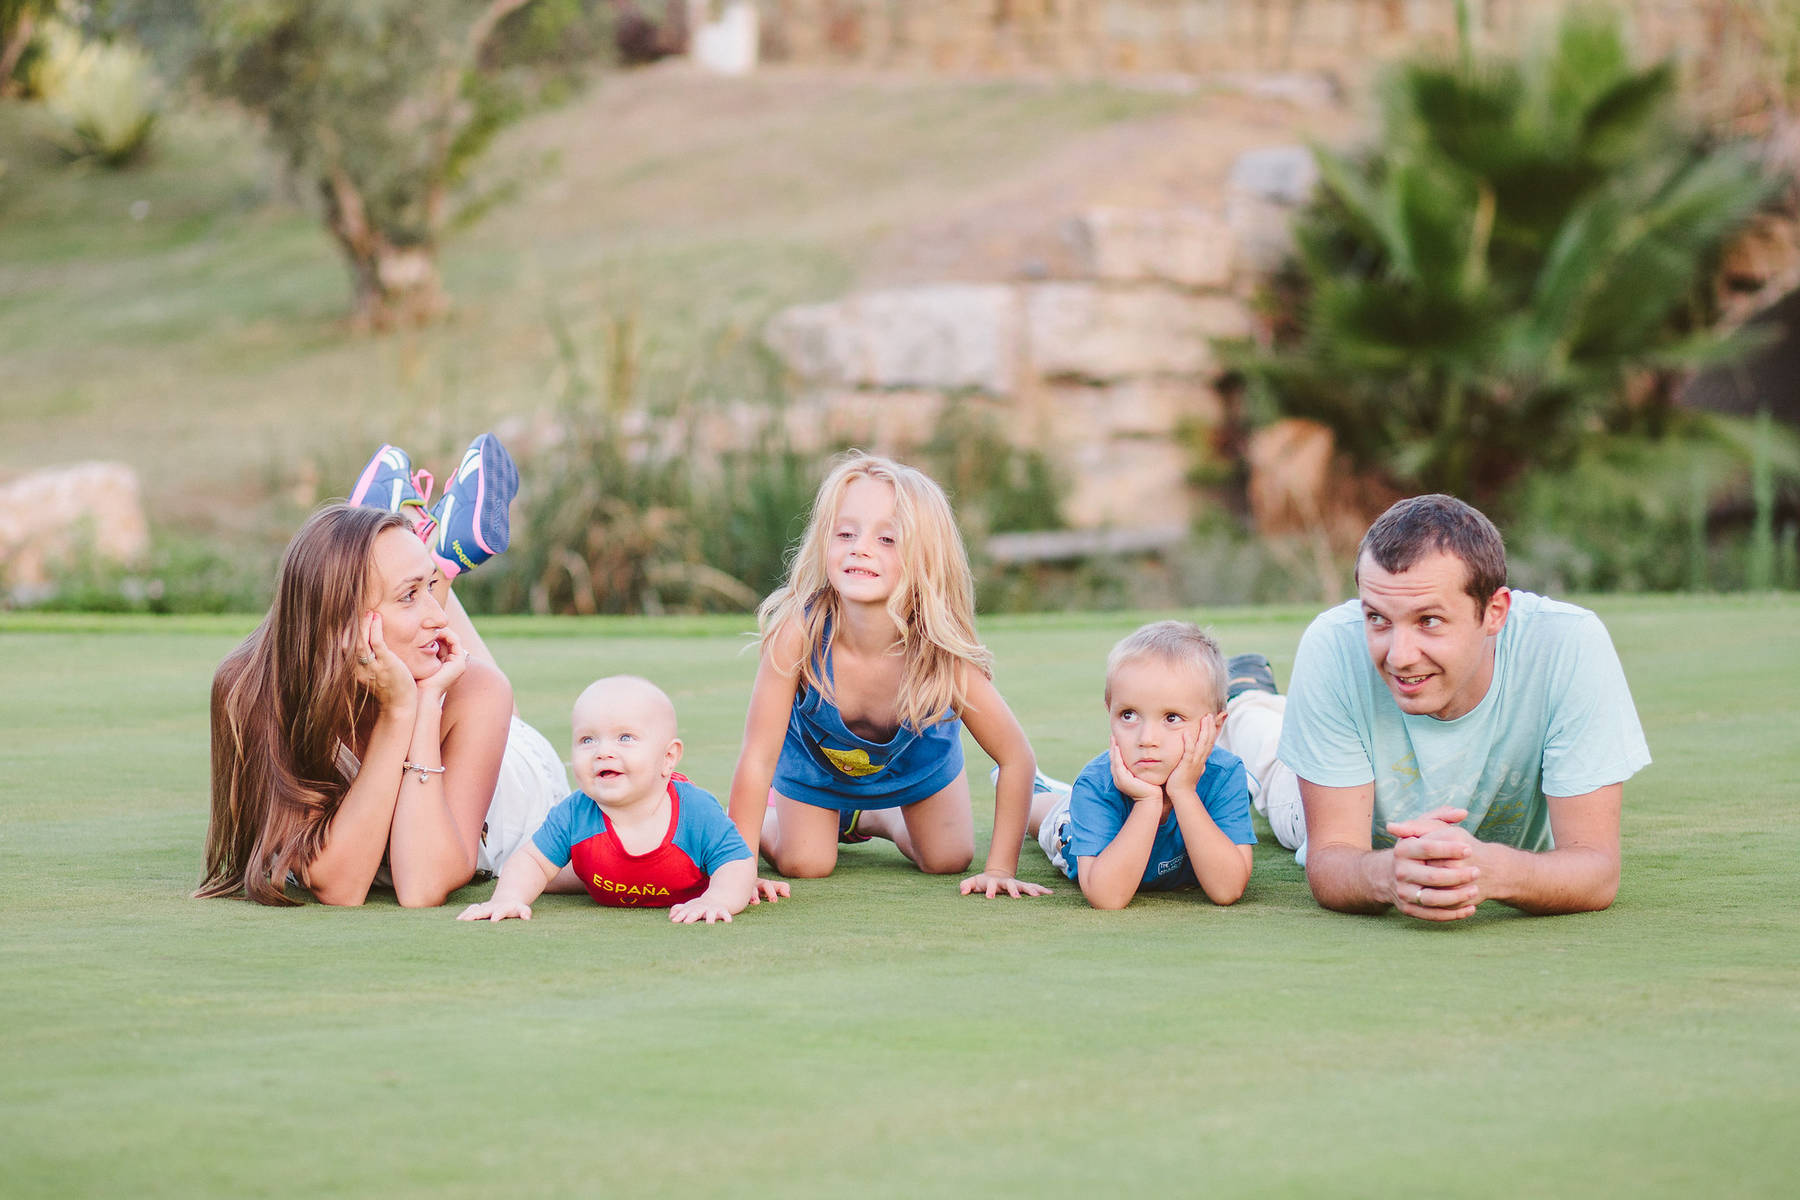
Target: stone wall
1110 371
1158 36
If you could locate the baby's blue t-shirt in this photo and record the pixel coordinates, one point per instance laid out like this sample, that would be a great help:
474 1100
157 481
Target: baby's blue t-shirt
1557 720
1097 811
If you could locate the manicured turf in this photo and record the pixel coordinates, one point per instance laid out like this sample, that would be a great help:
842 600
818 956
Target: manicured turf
879 1034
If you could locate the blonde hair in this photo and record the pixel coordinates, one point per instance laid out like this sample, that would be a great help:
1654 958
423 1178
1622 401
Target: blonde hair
932 605
1178 643
282 704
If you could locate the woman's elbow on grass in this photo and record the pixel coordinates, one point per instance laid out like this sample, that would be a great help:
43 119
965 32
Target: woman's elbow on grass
429 893
421 897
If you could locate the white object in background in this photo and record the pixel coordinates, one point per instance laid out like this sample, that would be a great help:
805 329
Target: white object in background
726 46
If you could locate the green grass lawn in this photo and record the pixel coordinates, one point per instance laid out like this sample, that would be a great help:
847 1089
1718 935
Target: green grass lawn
879 1034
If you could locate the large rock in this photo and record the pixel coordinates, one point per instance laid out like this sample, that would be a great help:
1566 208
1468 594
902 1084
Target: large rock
1265 191
1185 246
896 424
1156 408
1088 332
48 519
1300 485
1277 174
948 336
1126 482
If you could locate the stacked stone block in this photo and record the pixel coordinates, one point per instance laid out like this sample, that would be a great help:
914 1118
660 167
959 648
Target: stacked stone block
1110 370
1345 37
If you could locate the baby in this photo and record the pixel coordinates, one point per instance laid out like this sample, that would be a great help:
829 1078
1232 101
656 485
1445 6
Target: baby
636 834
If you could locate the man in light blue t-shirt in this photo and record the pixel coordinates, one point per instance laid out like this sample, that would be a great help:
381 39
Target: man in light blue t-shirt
1453 740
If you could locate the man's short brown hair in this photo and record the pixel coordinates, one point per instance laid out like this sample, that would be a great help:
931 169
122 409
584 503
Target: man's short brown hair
1423 525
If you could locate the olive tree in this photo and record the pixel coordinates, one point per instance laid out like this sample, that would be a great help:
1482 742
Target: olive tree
377 108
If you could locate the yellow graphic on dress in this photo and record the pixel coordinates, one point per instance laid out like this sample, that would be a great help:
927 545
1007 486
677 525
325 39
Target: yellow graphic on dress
852 762
629 889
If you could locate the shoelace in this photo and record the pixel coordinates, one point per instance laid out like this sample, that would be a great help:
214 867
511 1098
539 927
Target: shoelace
425 525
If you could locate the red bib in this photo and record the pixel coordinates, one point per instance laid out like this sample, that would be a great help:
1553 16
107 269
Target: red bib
658 878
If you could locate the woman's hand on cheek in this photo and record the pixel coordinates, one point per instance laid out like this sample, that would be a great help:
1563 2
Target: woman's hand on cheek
385 674
454 660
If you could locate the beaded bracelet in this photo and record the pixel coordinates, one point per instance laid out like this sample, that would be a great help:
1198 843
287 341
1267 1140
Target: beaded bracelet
424 771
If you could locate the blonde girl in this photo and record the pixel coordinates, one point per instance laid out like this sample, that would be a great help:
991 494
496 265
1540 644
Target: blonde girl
870 669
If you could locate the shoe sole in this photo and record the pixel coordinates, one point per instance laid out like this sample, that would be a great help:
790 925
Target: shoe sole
491 527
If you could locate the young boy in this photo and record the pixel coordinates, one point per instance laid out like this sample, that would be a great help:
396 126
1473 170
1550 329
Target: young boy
1162 808
636 834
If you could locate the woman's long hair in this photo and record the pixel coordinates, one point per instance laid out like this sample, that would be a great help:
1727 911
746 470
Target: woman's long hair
282 704
933 602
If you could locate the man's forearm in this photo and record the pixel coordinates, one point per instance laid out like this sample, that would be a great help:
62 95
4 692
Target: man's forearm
1350 879
1565 880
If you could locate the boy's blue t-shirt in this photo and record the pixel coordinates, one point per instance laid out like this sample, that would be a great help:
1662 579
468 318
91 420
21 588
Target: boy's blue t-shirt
1557 720
1097 811
700 840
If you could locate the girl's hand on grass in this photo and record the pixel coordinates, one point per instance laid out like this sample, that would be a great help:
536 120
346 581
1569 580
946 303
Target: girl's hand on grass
700 908
770 890
495 910
1133 787
992 883
1184 780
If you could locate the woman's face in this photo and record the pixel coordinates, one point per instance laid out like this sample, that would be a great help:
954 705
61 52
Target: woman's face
407 592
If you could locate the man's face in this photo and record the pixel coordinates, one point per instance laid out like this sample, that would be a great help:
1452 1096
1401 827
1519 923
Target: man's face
1432 645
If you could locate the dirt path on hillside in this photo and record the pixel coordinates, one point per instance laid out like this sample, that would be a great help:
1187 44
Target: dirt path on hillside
1016 224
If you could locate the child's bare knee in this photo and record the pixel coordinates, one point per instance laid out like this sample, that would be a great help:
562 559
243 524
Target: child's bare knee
804 864
946 862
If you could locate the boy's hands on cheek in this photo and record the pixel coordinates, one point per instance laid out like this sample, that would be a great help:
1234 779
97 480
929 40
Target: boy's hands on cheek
700 908
1128 783
1185 778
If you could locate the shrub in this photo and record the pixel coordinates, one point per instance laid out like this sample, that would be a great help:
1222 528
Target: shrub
1682 512
103 98
1519 260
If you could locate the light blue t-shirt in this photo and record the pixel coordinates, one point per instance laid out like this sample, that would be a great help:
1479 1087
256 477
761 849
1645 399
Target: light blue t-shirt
1097 811
1557 720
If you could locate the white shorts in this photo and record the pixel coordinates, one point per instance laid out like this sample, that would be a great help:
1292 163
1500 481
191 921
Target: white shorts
1053 834
1253 733
532 781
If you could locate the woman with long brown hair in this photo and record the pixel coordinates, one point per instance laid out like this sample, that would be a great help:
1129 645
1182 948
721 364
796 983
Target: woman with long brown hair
362 734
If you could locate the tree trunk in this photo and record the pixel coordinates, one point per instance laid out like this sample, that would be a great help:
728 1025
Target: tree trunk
12 48
392 286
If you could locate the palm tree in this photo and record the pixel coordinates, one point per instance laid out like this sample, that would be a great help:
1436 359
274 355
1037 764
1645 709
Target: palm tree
1519 258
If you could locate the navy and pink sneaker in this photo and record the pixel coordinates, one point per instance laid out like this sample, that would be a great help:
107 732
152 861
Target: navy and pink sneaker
848 834
389 482
474 520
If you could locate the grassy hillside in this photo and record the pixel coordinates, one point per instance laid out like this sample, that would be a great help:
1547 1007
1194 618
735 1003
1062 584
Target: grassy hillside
878 1034
185 316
